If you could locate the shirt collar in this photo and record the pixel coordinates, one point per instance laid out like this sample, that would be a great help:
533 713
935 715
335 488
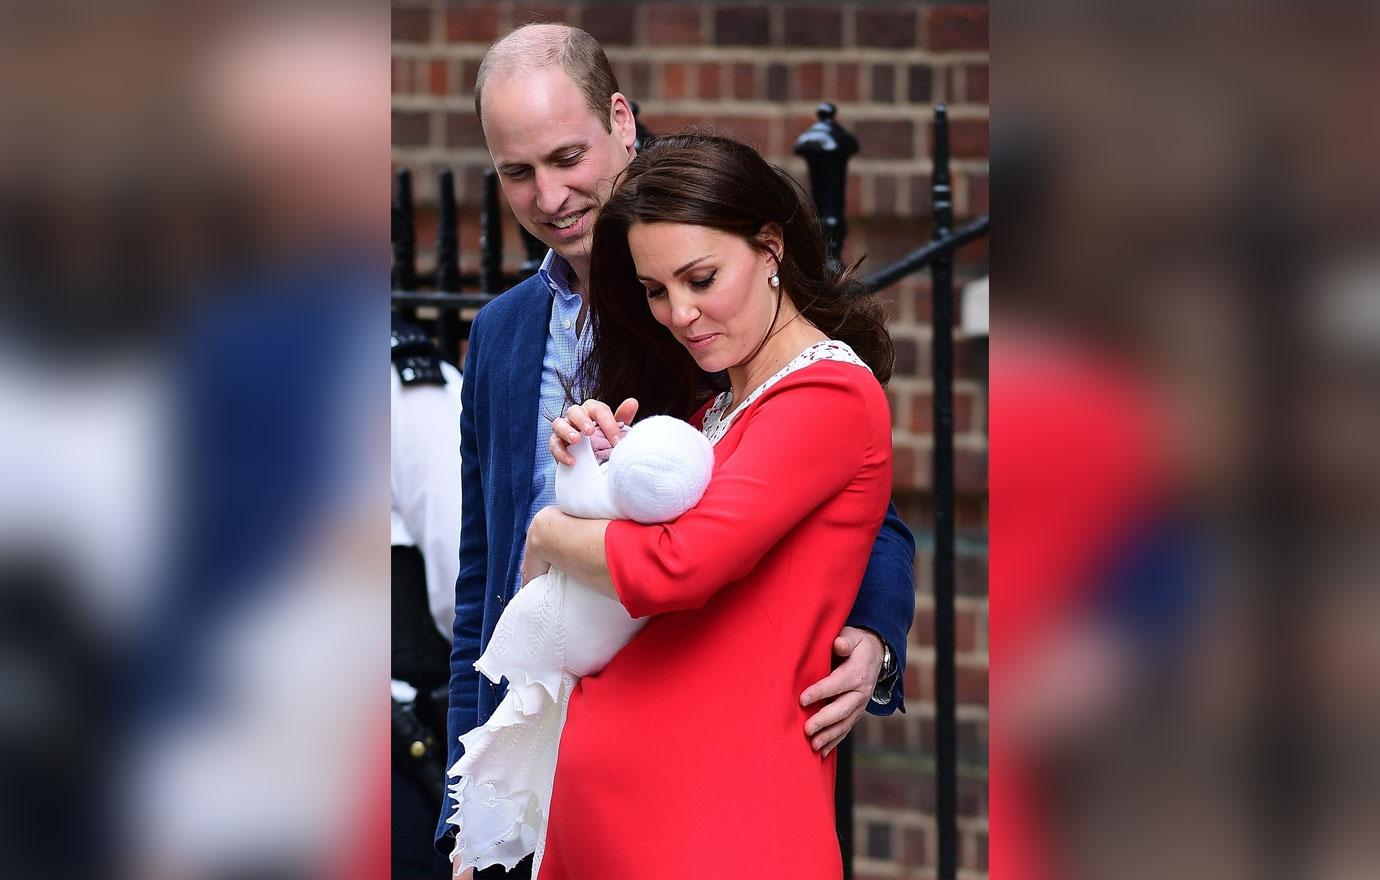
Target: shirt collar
556 272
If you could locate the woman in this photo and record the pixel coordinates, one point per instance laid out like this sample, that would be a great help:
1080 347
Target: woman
685 753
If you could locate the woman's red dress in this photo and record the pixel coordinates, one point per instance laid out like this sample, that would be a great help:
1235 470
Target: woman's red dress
686 756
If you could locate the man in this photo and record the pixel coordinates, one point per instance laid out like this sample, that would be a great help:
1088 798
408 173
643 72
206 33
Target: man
559 132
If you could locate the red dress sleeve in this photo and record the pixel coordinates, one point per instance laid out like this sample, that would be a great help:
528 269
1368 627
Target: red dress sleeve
803 441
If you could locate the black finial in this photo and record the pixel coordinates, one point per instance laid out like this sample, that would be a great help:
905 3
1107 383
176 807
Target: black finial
826 147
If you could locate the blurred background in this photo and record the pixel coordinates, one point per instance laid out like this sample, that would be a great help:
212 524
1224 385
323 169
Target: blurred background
193 458
1184 458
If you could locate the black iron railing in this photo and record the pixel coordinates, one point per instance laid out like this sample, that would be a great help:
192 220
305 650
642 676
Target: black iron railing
826 147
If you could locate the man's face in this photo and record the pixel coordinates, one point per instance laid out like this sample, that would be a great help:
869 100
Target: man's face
555 161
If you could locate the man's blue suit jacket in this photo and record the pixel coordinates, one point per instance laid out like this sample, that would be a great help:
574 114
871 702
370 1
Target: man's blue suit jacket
500 397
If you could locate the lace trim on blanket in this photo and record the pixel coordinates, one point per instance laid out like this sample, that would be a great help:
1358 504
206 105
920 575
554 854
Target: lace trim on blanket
719 417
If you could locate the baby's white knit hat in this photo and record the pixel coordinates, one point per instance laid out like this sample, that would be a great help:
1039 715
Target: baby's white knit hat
659 469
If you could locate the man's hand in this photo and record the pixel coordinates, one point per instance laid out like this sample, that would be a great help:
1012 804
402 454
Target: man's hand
457 874
845 691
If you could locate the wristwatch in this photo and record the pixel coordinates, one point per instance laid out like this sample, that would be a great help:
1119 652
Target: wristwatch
881 694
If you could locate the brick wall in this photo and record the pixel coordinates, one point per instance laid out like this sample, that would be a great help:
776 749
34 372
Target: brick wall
756 71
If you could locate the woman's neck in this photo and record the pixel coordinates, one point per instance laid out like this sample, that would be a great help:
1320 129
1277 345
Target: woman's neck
794 334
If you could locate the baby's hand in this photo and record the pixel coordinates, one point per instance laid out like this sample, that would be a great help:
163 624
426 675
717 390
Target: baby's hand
592 419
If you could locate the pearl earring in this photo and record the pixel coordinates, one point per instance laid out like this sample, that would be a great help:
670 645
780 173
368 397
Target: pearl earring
774 280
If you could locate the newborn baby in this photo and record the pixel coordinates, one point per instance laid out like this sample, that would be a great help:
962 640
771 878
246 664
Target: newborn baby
556 630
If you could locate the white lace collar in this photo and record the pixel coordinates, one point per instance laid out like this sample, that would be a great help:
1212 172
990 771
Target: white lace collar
719 416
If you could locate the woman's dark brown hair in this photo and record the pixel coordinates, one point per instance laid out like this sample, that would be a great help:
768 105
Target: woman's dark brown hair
705 180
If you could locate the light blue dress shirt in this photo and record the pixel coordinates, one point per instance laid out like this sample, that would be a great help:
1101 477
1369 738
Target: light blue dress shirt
566 350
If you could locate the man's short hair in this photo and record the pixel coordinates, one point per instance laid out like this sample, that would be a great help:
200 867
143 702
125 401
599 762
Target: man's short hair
536 46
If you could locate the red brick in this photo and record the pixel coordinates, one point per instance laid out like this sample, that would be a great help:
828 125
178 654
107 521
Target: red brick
673 81
972 684
846 82
672 25
885 138
402 76
921 83
778 82
472 23
752 130
742 26
638 85
852 196
469 72
970 470
462 130
922 633
809 81
979 201
808 26
913 847
744 81
919 681
975 91
879 786
609 23
965 630
967 138
878 841
883 80
970 574
670 123
547 13
972 797
953 28
709 80
920 195
411 24
886 28
438 75
411 128
905 471
907 355
885 195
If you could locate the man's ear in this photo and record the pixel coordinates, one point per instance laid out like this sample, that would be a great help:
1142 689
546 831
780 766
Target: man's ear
621 120
769 237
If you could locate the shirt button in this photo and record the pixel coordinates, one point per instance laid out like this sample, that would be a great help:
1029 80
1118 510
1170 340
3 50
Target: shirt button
565 324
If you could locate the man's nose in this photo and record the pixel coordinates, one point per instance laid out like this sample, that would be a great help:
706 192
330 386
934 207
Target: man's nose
550 192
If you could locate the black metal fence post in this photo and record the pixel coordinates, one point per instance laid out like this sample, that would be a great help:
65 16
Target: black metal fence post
826 147
448 266
942 373
404 235
491 237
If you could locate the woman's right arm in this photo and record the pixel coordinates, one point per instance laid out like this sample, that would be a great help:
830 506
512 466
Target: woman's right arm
783 468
